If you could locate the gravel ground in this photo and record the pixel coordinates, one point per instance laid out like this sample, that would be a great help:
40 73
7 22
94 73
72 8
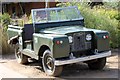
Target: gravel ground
13 74
79 70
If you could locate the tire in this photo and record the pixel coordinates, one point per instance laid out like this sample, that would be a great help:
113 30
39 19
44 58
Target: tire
98 64
48 64
20 57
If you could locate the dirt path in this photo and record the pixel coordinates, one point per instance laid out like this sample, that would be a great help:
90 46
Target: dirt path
79 70
8 73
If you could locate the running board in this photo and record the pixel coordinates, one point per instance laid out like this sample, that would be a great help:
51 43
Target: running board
30 53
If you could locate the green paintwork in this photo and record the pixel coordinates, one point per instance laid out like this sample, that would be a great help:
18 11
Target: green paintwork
11 31
61 50
65 36
68 29
101 43
49 36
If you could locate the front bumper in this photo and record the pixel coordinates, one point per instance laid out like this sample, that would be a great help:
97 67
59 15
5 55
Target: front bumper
82 59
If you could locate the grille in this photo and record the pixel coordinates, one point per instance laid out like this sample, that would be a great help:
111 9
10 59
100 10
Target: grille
79 42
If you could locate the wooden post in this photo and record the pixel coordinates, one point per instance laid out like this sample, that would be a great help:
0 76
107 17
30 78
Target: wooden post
47 4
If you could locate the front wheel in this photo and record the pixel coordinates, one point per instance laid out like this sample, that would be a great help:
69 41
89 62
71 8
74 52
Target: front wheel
20 57
98 64
49 64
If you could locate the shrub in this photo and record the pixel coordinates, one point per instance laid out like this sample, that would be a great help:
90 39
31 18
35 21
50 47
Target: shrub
5 21
102 18
18 22
111 5
98 20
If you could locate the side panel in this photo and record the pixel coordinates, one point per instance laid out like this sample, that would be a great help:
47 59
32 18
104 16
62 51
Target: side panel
40 40
58 51
13 31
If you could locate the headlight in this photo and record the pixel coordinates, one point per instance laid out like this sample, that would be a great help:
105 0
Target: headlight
88 37
70 39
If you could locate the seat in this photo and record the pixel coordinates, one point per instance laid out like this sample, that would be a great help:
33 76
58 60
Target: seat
28 35
28 32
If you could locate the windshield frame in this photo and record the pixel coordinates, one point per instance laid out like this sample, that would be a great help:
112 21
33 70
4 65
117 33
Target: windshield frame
58 8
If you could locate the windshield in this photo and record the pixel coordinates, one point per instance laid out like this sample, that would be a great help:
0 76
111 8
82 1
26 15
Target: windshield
55 14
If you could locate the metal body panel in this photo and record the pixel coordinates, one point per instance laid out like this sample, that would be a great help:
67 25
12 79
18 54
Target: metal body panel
49 40
82 59
14 31
30 53
40 40
101 43
40 26
69 29
61 50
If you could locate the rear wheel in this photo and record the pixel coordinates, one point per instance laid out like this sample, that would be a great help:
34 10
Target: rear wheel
20 57
49 64
98 64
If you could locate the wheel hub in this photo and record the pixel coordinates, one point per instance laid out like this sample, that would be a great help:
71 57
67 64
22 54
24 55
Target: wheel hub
50 63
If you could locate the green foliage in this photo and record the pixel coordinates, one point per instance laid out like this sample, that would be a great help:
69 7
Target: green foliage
100 18
113 5
18 22
117 17
104 20
5 20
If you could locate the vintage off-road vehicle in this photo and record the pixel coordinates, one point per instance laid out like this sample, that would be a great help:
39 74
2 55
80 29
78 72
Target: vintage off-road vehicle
58 37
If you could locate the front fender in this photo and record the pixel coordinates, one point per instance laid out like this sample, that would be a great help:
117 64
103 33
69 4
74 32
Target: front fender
58 50
62 49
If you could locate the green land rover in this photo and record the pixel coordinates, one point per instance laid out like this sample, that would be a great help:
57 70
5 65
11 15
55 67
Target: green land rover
57 37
